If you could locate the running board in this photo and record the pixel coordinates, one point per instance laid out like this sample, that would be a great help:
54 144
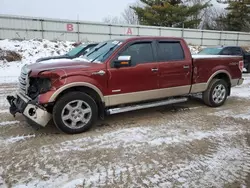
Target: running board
145 105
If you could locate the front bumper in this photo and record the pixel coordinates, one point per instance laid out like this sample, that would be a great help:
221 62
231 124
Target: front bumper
237 82
240 81
22 104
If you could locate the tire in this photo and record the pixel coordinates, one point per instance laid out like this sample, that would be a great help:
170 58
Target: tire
209 96
75 113
248 68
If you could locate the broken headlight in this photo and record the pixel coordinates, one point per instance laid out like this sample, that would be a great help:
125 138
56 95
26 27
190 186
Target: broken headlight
38 86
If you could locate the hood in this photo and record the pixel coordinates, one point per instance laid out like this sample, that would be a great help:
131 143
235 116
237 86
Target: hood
54 57
67 64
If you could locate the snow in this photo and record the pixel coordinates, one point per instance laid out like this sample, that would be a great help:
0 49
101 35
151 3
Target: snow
18 138
8 123
31 50
242 91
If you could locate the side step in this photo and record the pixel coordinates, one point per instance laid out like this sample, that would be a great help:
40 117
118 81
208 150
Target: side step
145 105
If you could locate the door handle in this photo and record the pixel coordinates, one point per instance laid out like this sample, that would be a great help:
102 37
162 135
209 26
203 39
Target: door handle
154 69
186 66
101 72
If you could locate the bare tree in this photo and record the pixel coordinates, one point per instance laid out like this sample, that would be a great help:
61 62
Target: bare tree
129 15
113 20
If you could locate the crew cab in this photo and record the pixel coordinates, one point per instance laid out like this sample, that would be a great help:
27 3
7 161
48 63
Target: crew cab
119 76
229 50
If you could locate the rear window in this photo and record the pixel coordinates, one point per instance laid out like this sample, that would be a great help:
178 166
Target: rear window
170 51
210 51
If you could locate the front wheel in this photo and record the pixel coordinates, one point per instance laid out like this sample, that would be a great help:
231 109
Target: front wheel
75 112
216 93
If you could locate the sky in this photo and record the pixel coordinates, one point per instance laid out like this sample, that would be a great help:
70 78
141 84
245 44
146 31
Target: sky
85 10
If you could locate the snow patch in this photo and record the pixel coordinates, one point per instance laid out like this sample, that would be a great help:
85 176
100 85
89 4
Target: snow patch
9 123
19 138
31 50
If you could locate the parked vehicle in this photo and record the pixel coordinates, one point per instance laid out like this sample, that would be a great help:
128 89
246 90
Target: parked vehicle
229 50
119 76
80 50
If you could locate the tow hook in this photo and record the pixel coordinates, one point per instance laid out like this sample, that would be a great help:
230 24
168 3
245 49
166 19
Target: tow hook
13 109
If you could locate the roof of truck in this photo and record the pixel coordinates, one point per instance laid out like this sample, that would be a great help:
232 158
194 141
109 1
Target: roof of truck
146 37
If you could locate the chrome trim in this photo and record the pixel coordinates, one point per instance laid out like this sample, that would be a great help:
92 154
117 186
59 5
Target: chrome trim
24 79
101 72
146 105
116 91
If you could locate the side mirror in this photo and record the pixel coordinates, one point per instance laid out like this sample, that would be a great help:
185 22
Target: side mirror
122 61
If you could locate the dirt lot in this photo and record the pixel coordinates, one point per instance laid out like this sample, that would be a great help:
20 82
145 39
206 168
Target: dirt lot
186 145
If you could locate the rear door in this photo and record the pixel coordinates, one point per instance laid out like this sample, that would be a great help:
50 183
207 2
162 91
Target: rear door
137 82
175 67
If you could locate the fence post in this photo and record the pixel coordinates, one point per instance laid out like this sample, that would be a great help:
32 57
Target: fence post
42 29
220 38
159 31
237 42
78 31
202 37
110 31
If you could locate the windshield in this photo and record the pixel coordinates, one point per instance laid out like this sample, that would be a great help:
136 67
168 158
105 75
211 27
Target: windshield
102 51
210 51
76 50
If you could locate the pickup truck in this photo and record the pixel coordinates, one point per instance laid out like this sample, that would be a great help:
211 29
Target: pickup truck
119 76
229 50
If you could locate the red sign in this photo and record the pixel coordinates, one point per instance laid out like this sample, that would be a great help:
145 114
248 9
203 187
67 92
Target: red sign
129 31
70 27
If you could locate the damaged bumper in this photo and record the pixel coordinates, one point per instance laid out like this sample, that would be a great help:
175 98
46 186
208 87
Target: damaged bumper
22 104
240 81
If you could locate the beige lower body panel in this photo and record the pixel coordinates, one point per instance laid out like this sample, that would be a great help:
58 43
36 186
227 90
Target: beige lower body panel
126 98
113 100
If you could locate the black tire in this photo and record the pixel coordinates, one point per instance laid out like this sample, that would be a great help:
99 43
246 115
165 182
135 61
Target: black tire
248 68
60 107
208 94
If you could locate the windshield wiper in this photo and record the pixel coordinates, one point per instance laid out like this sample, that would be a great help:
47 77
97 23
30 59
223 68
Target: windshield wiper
96 49
104 54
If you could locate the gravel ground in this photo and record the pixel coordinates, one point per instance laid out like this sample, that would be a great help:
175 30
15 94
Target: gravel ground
185 145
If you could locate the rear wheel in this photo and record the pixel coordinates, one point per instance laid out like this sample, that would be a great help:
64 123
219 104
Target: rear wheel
248 68
216 93
75 112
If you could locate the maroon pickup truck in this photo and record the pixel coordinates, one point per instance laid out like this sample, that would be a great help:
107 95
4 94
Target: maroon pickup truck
119 76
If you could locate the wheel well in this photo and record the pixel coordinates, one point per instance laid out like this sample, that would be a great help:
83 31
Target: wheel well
92 93
225 77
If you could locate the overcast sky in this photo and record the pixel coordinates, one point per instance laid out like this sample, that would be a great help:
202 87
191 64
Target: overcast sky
87 10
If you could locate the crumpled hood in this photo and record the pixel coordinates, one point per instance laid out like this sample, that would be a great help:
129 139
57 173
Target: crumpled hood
65 64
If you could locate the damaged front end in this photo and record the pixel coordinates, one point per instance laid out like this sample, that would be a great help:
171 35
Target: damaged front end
25 100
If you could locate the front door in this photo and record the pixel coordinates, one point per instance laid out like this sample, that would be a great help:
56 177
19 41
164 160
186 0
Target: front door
175 68
134 83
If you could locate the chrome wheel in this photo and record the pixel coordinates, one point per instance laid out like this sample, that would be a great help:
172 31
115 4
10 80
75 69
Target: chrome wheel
76 114
219 93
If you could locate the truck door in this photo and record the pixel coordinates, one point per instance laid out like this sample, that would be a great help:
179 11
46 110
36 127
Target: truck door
138 81
175 68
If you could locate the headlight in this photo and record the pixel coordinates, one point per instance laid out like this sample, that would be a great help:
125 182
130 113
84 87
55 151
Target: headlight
38 86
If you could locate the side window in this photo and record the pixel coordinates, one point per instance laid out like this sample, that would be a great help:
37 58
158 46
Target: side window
140 53
227 51
170 51
237 51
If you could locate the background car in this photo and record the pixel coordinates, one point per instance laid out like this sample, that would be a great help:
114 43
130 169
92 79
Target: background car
81 49
229 50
